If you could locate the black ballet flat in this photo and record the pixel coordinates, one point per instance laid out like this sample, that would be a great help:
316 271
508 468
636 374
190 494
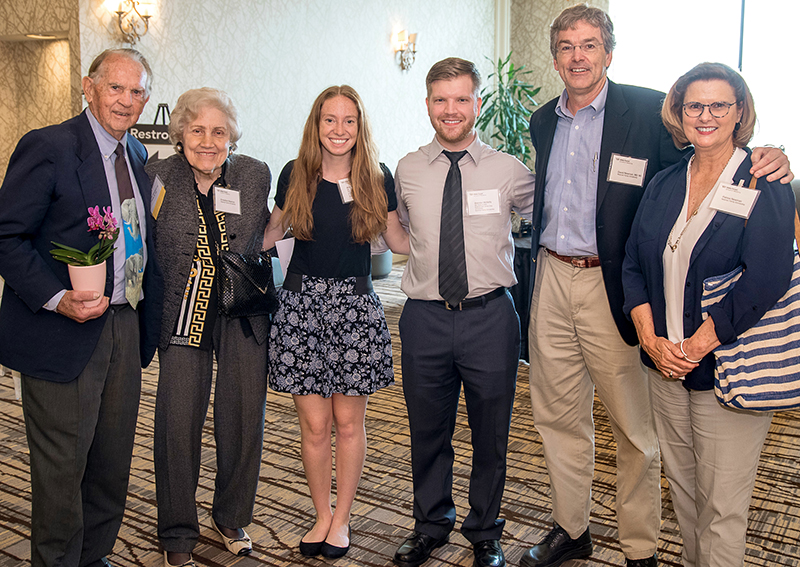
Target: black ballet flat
333 552
311 549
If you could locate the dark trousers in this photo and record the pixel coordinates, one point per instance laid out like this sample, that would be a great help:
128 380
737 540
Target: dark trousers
184 390
442 350
80 437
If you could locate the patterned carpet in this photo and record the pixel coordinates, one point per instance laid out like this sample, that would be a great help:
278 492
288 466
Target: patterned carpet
382 511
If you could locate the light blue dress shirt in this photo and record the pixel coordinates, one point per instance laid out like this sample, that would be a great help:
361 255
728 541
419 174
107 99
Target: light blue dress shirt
107 144
570 201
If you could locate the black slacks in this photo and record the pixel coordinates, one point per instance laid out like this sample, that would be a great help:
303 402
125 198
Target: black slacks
442 350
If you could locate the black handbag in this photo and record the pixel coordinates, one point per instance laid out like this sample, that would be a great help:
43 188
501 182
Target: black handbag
245 284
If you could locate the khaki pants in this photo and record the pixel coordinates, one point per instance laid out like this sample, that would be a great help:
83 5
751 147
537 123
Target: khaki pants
575 347
710 460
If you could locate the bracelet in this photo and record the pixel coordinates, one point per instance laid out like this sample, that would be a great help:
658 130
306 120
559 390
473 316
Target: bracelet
686 357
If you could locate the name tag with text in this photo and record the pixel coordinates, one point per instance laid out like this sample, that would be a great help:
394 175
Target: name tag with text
734 200
627 170
226 201
483 202
345 190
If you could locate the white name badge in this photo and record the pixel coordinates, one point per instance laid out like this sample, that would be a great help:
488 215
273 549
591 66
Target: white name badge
483 202
345 190
226 201
734 200
627 170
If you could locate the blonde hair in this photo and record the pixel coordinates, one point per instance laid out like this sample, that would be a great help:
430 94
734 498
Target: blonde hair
368 212
672 109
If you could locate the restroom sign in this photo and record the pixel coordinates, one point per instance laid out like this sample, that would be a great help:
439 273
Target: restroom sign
155 138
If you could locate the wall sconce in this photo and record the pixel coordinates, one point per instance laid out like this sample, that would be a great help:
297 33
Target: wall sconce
133 17
405 49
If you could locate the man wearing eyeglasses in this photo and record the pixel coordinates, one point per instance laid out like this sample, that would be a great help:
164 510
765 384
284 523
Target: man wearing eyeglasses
597 146
80 363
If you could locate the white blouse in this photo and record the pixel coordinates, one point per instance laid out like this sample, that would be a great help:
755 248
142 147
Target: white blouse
688 232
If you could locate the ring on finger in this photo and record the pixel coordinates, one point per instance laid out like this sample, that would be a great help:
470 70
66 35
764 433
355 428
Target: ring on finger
670 373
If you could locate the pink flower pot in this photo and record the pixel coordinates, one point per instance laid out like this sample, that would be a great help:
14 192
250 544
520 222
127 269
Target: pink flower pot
89 278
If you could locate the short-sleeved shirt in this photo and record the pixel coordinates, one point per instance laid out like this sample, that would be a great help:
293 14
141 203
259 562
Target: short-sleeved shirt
331 253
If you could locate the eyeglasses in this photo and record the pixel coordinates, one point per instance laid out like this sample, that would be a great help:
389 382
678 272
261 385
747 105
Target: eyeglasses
717 109
587 48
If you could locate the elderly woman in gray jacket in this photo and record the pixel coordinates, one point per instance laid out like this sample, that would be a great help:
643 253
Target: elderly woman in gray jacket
191 226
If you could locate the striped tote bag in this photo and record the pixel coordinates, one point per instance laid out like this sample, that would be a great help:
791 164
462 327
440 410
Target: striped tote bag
760 371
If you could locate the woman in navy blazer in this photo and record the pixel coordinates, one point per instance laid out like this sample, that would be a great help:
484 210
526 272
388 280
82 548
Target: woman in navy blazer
710 452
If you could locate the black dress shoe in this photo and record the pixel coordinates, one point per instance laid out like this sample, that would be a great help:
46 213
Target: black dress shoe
556 548
334 552
488 554
416 549
646 562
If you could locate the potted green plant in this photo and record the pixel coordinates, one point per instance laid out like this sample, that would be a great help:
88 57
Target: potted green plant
506 108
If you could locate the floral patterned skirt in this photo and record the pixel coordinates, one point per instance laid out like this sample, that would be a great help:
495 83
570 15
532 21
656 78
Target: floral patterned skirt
329 340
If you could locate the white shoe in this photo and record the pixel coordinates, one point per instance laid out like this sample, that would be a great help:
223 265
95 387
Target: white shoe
189 563
238 546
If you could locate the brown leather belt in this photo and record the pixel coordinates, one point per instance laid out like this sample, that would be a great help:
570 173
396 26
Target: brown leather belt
576 261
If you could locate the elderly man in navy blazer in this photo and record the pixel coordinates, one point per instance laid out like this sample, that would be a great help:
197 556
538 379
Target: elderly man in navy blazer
597 147
80 365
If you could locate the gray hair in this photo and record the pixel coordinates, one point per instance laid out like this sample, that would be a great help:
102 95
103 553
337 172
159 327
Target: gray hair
97 69
192 102
570 17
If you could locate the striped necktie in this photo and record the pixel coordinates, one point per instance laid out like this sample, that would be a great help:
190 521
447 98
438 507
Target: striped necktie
453 286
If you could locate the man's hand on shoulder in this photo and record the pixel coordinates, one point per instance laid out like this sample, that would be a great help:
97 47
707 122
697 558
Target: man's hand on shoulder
72 305
772 161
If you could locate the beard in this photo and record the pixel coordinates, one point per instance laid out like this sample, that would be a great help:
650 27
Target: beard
454 136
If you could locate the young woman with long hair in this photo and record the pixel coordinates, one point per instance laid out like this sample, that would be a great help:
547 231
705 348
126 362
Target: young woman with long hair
329 345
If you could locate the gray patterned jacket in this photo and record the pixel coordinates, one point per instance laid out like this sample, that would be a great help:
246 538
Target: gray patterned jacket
176 228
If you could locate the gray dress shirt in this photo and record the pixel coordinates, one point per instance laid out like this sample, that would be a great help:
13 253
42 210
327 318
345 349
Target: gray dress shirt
493 184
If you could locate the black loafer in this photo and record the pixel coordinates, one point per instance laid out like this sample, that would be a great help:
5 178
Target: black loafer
646 562
556 548
416 549
488 554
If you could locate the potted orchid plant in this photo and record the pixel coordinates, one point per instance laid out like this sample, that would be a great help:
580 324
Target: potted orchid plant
107 225
87 270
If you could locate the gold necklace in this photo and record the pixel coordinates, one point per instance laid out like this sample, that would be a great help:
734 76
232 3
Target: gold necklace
672 246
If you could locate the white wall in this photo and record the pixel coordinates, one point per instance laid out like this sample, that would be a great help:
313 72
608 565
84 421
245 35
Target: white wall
275 56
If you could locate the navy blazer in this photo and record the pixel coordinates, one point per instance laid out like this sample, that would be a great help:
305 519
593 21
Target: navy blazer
55 174
763 245
632 127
